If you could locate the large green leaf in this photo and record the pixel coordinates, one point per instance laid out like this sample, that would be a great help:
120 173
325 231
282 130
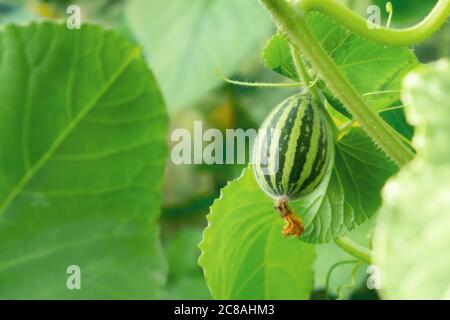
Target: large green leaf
187 41
351 195
82 138
368 66
412 238
244 254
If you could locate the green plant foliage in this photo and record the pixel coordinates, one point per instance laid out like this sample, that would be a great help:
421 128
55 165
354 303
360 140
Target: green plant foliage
245 256
356 58
349 196
277 57
187 41
84 183
352 194
412 238
243 219
83 151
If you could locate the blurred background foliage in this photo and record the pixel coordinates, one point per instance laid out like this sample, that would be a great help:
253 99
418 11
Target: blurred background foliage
194 39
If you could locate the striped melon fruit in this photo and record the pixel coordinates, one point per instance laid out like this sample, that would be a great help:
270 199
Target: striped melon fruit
292 152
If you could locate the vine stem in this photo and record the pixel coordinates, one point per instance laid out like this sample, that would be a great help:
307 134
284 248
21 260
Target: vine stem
258 84
328 278
354 249
291 22
383 35
350 285
304 75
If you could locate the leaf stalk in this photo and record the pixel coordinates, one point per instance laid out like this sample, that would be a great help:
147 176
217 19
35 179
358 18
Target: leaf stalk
382 35
355 249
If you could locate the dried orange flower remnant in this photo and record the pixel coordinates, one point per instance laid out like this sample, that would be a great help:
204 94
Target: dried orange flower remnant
293 224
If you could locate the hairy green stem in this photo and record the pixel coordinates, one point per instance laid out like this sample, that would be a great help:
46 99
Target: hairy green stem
291 22
303 74
258 84
354 249
391 37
